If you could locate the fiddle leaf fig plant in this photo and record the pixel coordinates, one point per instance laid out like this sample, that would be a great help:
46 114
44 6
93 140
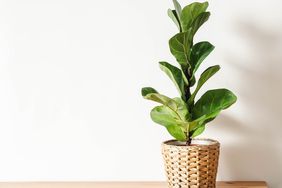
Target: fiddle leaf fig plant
185 117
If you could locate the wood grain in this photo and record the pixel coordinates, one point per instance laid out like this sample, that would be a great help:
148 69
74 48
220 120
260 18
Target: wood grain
238 184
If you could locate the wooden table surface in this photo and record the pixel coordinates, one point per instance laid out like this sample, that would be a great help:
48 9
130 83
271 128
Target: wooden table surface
238 184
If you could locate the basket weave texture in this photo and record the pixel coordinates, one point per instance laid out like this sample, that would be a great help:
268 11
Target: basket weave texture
192 166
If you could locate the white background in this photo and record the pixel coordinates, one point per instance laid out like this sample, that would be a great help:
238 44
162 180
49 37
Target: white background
70 79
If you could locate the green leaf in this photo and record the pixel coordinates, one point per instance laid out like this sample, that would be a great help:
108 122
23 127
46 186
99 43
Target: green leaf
207 74
161 99
198 53
198 131
177 132
173 15
175 74
199 21
180 47
168 118
212 102
177 105
196 123
182 109
163 115
148 90
177 7
190 13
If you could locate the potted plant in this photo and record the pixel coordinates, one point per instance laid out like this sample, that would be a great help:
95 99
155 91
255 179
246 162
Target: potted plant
189 162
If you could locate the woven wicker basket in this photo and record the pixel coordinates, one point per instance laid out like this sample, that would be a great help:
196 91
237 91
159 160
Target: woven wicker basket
192 166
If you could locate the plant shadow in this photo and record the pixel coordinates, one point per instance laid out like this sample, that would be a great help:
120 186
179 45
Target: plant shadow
257 154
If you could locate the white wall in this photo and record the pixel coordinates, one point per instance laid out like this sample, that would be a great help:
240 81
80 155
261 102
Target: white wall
70 79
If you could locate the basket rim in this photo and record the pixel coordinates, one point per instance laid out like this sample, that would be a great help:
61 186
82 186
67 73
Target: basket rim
212 142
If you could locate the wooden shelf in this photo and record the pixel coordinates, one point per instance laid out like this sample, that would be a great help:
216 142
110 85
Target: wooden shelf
234 184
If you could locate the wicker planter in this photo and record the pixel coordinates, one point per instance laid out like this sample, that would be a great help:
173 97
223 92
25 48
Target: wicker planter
192 166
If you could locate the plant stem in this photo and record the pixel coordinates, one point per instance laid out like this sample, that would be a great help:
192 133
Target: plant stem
187 96
188 142
187 93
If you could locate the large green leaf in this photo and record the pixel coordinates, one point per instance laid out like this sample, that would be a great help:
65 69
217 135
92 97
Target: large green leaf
193 125
168 118
212 102
198 53
177 105
173 15
190 13
197 131
163 115
199 21
207 74
148 90
177 7
177 132
175 74
182 109
152 94
180 47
